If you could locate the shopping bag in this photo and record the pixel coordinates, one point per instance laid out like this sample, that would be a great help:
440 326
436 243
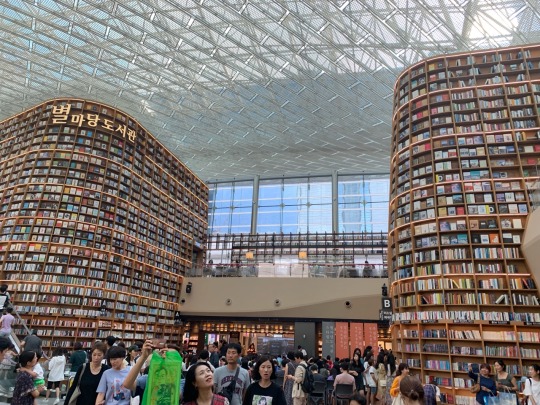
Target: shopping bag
507 398
163 386
491 400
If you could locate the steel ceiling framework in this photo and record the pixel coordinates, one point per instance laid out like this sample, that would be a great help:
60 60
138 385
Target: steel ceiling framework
236 88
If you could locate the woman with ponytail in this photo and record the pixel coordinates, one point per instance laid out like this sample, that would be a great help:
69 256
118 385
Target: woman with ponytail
412 391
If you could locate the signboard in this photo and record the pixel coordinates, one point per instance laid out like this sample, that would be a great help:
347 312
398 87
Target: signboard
357 335
386 304
342 339
177 319
371 336
328 339
385 315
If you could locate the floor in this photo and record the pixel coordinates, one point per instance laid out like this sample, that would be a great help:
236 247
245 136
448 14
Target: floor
40 401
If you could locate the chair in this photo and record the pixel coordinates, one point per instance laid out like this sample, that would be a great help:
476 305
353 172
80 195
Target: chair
318 393
329 390
343 393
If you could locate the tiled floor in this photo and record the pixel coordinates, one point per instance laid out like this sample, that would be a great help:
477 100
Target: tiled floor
41 401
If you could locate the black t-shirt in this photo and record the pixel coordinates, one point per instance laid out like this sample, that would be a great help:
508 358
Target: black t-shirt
257 395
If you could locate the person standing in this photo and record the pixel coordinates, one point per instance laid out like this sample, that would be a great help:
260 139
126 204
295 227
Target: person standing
5 345
57 367
91 375
214 355
4 293
487 385
25 392
504 380
381 372
6 321
225 375
111 389
298 394
288 378
198 387
356 369
402 372
532 386
32 343
77 359
371 382
263 390
412 391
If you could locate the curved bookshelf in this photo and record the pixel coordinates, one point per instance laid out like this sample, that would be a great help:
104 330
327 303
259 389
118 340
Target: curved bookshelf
98 223
465 149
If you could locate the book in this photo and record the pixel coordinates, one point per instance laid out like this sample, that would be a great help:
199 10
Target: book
444 226
494 238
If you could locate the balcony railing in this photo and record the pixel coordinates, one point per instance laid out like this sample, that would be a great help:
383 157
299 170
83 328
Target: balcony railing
297 270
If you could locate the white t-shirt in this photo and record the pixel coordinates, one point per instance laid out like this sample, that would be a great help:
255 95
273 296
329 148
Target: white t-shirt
533 390
369 376
56 368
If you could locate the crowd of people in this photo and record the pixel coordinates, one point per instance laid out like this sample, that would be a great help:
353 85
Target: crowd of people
221 375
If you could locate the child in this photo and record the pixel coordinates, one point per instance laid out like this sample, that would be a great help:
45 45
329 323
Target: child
37 375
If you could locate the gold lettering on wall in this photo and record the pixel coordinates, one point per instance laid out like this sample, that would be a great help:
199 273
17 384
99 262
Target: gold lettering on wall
62 115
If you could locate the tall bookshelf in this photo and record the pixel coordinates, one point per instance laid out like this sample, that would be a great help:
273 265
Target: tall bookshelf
98 223
465 150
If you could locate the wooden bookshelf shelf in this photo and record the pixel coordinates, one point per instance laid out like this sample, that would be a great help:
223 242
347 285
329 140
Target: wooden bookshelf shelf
98 223
466 147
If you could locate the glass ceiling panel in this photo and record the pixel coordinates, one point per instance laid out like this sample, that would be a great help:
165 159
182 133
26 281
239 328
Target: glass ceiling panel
270 87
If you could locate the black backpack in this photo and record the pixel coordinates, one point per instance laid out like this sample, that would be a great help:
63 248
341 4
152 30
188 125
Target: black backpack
309 381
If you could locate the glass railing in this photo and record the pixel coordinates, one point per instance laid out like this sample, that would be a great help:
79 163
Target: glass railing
534 194
297 270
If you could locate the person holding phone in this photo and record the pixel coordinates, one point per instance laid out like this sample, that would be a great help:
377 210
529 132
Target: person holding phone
487 385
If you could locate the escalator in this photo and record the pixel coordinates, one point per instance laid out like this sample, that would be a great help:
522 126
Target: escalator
8 365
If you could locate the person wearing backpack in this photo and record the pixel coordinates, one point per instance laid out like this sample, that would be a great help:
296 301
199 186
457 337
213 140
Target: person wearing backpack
298 394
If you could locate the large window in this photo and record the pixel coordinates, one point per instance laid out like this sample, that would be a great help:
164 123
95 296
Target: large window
363 203
295 205
301 205
230 207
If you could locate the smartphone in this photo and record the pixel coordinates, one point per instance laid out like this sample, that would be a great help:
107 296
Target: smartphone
158 343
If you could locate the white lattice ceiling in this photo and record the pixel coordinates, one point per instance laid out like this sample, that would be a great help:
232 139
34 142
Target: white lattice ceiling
236 88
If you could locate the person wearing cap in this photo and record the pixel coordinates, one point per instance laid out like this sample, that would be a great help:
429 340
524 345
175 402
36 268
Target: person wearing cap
134 352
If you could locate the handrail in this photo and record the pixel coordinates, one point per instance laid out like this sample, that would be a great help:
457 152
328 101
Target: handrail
15 339
295 270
